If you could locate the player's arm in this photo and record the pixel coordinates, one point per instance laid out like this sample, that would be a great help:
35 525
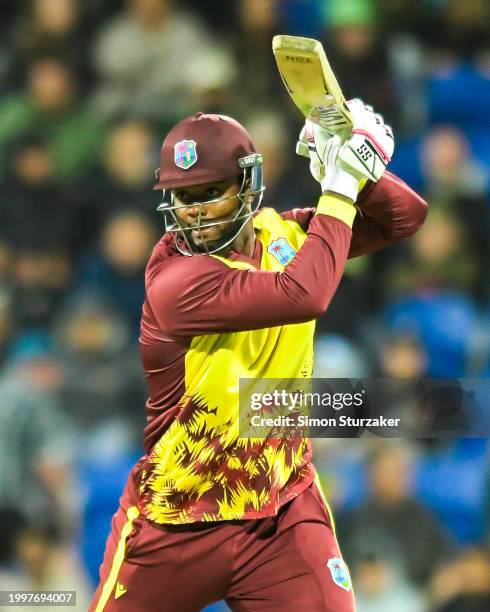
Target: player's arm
388 211
203 295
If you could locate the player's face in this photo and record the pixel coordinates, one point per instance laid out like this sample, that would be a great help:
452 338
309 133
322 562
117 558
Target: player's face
195 209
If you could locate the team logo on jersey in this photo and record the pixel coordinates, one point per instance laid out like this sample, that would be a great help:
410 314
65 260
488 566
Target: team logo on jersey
282 250
340 573
185 154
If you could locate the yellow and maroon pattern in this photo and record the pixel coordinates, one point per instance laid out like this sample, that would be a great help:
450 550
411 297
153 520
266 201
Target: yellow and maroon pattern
200 470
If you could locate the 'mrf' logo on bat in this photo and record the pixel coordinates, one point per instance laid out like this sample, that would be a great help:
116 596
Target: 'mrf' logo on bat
185 154
282 250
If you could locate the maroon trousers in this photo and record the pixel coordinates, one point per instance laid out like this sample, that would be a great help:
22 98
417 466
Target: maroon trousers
285 563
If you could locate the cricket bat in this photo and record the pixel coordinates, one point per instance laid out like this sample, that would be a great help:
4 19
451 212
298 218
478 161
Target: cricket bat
310 81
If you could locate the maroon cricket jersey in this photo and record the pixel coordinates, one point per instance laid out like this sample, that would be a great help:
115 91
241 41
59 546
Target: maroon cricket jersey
208 321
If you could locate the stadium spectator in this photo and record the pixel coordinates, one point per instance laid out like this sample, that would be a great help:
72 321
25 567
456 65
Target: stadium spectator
392 515
35 437
51 103
101 370
336 357
40 279
463 584
31 194
34 557
443 257
449 165
402 356
38 255
128 159
456 182
451 251
444 323
381 582
116 269
139 58
54 27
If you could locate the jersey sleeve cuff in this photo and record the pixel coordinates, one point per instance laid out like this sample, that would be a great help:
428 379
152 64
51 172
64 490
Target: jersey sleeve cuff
335 207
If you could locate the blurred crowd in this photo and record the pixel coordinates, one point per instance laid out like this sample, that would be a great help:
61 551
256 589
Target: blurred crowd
87 92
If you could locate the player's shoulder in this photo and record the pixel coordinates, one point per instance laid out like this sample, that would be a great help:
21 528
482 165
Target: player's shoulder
296 219
299 216
268 214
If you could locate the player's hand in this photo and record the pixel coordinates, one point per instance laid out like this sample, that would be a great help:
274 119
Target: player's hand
370 147
323 150
343 165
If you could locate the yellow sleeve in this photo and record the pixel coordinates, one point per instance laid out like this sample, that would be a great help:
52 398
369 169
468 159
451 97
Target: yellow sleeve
336 207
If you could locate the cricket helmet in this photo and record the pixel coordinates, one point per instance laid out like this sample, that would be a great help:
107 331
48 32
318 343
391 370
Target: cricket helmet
209 148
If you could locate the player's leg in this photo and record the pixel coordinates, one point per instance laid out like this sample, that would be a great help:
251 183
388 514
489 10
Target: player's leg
150 568
110 586
292 563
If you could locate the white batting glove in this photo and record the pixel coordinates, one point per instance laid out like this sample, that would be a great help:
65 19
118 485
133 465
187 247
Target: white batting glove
323 148
369 149
341 166
306 147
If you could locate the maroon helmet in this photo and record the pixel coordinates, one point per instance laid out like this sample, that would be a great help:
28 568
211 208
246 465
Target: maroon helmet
203 149
208 148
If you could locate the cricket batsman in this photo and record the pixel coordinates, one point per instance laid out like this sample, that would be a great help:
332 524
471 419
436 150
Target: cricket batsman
233 291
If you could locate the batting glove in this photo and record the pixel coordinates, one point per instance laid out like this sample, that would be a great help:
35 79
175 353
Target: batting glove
340 166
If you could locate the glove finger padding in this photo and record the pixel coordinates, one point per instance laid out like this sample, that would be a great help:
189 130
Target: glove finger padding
371 145
302 144
307 147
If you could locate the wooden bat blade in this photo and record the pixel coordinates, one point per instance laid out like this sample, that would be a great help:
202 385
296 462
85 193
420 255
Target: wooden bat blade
310 81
